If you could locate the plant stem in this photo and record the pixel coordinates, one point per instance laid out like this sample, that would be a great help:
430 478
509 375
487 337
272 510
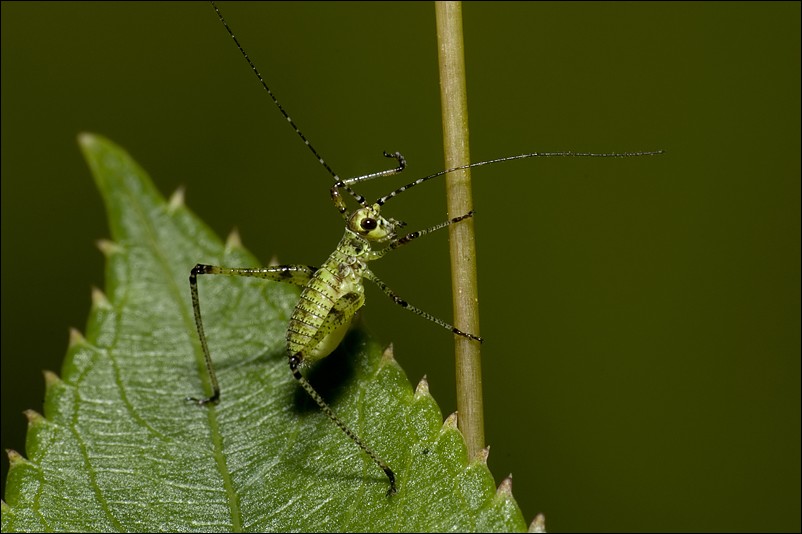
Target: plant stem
454 104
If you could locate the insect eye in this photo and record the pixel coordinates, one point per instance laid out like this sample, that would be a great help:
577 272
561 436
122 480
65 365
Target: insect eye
368 224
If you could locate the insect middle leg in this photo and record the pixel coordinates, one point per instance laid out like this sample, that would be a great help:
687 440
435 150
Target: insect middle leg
398 242
407 306
298 275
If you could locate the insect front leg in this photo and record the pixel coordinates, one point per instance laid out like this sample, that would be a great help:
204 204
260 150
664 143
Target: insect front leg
298 275
400 241
407 306
339 203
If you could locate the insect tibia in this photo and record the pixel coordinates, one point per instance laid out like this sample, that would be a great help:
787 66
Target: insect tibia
394 244
402 163
295 363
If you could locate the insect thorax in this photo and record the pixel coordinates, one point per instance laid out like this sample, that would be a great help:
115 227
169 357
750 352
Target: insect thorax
329 301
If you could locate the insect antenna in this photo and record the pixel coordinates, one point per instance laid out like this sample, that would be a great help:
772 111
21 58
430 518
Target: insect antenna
403 188
273 97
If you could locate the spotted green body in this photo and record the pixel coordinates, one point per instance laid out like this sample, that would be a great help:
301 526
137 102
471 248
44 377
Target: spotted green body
329 301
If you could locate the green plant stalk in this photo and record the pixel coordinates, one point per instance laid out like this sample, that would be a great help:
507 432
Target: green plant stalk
454 103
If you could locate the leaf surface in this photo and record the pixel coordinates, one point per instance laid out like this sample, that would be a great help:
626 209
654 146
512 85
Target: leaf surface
119 449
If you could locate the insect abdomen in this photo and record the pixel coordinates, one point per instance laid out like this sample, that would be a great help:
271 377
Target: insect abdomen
324 311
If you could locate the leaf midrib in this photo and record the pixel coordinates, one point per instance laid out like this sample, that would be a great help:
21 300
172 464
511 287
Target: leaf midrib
235 511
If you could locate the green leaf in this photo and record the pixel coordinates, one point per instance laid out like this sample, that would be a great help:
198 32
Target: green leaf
119 449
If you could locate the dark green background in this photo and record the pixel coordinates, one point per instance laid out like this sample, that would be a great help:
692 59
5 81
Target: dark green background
642 317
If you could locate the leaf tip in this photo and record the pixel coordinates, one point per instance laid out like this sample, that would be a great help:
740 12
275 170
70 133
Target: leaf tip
388 356
51 378
86 139
450 422
107 247
76 338
538 524
233 240
99 300
33 416
176 200
14 458
505 488
481 456
422 389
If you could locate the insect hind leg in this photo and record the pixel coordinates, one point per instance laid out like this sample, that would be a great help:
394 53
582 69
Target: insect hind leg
295 364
